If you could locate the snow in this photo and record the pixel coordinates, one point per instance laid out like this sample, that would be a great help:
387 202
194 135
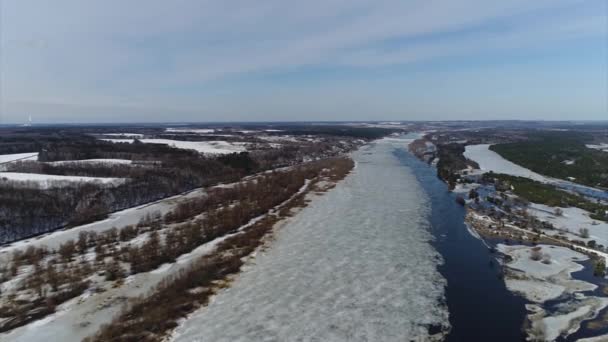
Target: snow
6 158
279 138
602 338
601 146
190 130
77 319
49 181
535 291
356 264
126 135
118 219
557 324
489 160
540 282
211 147
92 161
571 221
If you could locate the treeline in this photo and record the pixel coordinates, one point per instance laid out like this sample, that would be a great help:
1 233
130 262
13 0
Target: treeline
91 148
23 141
26 212
337 130
451 162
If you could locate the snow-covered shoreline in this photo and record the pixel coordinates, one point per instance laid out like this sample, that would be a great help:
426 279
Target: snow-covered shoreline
549 278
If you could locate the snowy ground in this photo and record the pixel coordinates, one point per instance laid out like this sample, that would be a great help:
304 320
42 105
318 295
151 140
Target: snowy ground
83 316
570 222
540 282
48 181
355 265
211 147
601 147
92 161
190 130
6 158
278 138
491 161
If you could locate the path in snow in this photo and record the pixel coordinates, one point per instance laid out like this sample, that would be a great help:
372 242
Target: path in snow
354 265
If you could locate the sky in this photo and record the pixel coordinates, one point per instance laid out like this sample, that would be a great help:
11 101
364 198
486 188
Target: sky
68 61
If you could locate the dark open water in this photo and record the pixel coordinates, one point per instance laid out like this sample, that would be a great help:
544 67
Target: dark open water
481 308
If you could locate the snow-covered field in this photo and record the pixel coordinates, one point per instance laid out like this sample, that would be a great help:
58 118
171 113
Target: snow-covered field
211 147
91 161
489 160
6 158
571 221
190 130
354 265
48 181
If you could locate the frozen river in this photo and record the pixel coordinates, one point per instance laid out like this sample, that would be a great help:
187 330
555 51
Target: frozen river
356 265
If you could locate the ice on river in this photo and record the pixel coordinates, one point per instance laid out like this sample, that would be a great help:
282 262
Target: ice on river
489 160
355 265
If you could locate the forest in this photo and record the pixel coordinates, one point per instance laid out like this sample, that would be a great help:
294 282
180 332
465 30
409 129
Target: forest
560 155
157 171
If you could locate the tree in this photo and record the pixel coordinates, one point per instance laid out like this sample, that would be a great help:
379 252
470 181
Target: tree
52 277
600 268
113 270
82 242
67 250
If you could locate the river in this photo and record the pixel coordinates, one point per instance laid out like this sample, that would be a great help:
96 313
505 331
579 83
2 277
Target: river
372 260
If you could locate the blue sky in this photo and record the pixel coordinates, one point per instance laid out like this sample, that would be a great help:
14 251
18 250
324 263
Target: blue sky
203 60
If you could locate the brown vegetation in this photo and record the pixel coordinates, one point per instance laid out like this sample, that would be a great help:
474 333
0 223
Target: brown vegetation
151 317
